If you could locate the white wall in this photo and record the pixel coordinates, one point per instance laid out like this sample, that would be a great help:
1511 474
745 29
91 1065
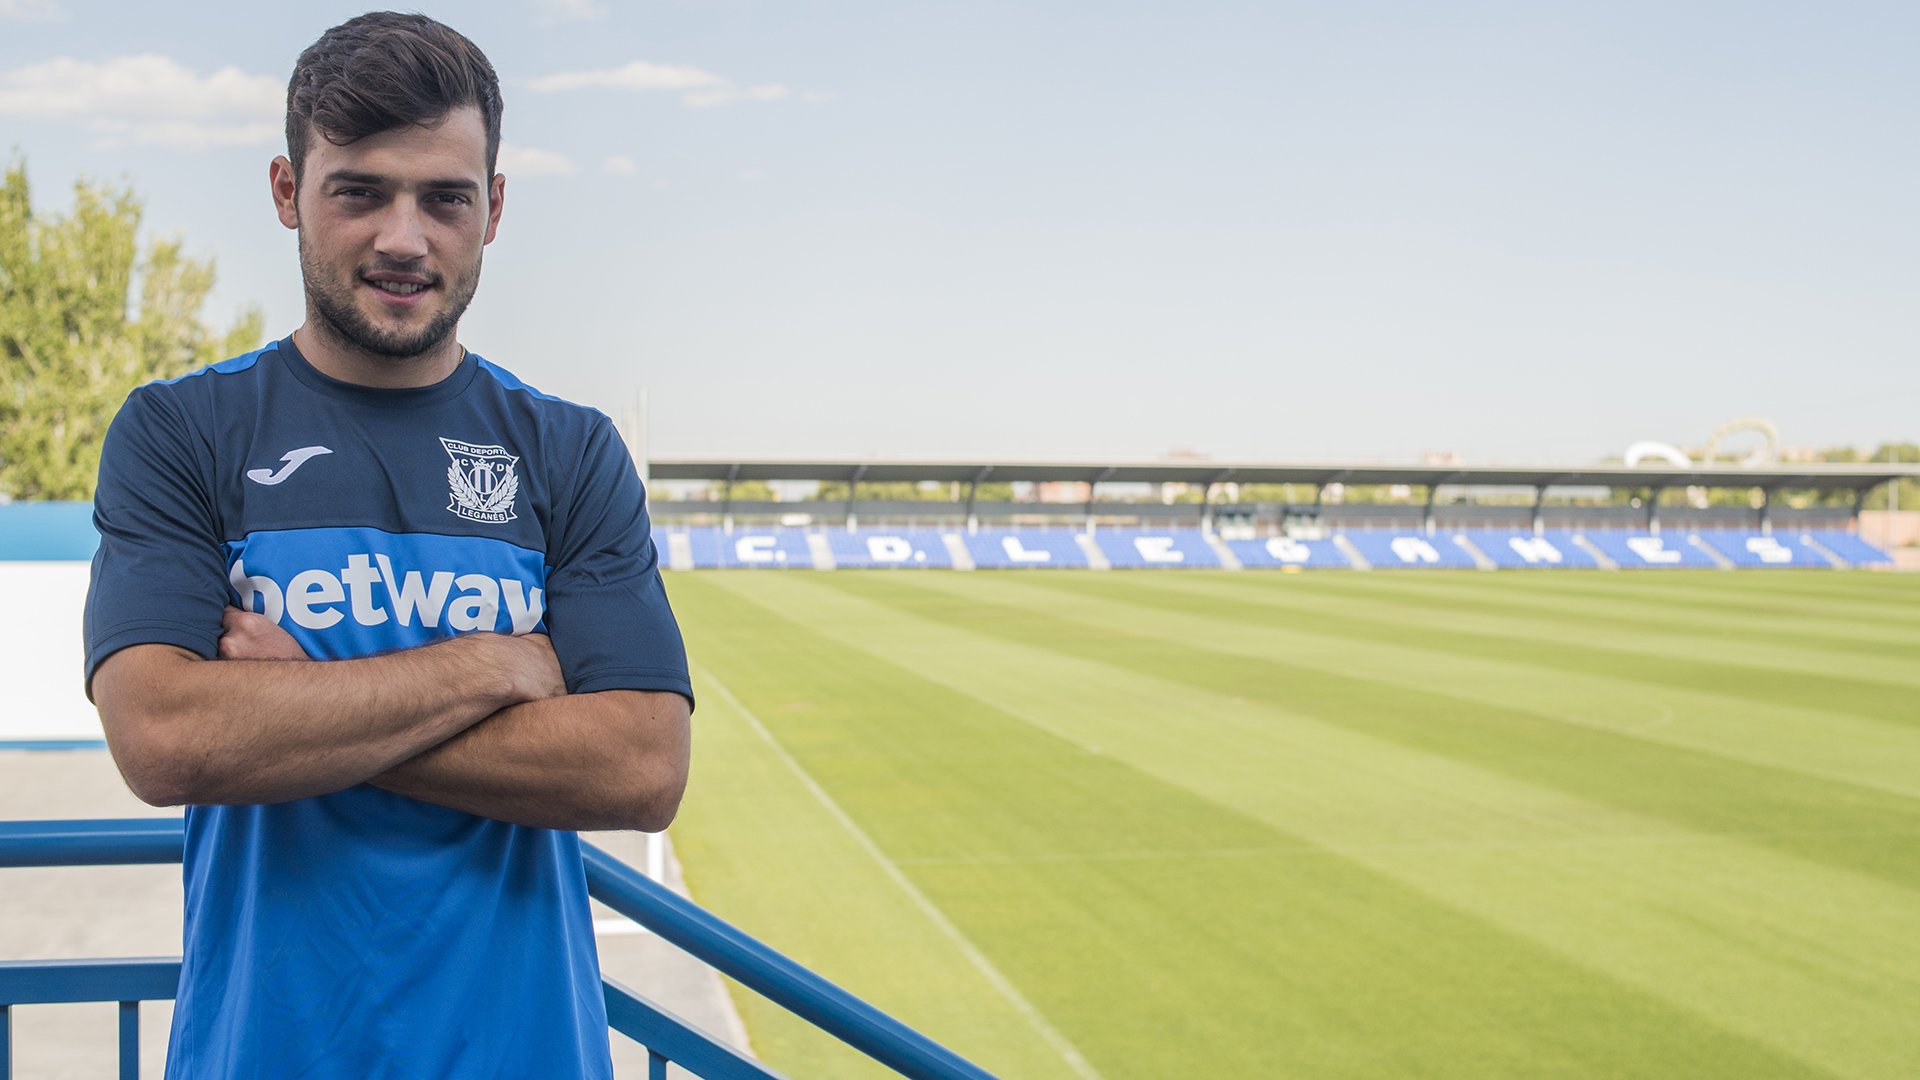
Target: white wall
41 653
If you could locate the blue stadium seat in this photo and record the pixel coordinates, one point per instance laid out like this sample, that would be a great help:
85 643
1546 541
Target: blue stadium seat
1510 550
1001 549
1387 550
1752 550
862 548
1140 549
1850 547
752 547
1638 550
1282 551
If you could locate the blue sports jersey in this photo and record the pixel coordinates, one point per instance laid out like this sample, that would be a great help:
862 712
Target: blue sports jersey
364 934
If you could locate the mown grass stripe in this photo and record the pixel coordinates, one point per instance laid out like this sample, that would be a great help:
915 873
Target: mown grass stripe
1818 743
1794 939
760 850
1621 770
1891 603
1315 968
1528 600
1729 645
1870 699
1000 983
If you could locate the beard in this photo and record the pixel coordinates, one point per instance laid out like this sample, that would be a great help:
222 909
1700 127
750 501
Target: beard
333 304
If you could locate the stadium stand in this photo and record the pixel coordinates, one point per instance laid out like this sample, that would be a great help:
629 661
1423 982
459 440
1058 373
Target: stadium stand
1552 549
1003 549
1281 551
1393 550
865 548
1639 550
1137 549
782 547
1848 547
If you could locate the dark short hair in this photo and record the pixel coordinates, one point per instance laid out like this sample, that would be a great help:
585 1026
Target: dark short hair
382 71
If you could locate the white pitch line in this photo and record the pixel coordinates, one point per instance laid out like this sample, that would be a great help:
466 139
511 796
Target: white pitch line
1068 1053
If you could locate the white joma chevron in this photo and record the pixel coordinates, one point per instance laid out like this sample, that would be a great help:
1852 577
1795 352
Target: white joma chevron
293 458
312 598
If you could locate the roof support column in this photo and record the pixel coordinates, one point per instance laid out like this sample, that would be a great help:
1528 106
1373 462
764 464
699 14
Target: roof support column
726 500
1766 511
853 488
973 489
1539 497
1206 503
1093 489
1653 510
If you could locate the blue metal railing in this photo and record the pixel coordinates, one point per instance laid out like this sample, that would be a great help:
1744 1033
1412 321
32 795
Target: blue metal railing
666 1037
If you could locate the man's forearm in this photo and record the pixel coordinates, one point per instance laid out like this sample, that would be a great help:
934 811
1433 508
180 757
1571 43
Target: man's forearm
185 730
610 760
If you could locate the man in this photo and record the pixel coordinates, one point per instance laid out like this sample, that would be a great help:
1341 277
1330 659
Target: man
380 876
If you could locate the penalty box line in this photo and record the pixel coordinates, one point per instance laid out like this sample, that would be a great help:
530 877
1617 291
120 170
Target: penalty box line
1059 1042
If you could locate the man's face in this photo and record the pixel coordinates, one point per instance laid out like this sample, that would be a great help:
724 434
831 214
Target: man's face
392 228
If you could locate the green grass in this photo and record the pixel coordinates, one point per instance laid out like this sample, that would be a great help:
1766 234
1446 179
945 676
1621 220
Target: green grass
1323 825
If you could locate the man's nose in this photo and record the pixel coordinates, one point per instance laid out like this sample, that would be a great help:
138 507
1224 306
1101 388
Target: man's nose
403 237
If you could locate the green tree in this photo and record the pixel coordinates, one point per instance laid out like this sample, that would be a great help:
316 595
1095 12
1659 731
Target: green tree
1882 496
83 320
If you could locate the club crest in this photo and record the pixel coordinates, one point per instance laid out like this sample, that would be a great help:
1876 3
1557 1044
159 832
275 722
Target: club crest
481 482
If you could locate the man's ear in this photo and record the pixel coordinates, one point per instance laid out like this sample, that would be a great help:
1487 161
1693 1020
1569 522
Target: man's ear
281 179
496 198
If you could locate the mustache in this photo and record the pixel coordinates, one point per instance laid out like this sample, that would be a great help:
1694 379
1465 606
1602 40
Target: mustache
412 269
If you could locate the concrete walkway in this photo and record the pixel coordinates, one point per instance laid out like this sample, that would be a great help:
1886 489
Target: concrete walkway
135 911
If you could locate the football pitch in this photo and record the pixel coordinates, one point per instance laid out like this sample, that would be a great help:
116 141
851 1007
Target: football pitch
1323 825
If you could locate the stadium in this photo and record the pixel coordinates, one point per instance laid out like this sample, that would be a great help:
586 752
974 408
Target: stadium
1644 811
1160 502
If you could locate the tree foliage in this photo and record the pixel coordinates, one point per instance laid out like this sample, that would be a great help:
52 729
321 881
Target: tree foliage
84 318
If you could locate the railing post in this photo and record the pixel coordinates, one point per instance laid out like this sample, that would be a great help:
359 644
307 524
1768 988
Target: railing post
129 1040
656 1065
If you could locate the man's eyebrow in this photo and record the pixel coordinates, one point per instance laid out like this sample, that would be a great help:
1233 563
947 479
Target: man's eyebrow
347 176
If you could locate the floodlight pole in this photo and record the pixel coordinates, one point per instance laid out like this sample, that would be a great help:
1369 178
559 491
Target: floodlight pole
642 450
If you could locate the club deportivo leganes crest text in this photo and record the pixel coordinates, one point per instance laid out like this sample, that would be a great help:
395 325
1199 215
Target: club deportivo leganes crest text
481 482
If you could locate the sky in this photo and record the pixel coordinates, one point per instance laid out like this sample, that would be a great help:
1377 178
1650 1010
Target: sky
1523 232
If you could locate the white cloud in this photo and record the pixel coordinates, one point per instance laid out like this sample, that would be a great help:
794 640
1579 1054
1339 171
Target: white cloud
638 75
35 11
697 88
619 165
527 161
149 100
727 95
572 10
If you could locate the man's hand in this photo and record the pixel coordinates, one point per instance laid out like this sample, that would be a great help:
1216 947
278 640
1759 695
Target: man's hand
528 659
534 667
245 635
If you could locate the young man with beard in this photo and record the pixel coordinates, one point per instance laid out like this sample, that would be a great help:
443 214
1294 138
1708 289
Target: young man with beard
387 621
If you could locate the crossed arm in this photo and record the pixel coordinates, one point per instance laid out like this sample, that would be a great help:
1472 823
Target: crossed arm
480 723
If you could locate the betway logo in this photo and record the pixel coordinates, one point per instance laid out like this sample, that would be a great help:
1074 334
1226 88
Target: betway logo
312 598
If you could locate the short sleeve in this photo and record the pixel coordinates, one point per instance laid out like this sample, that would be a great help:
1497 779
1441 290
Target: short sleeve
158 573
607 608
